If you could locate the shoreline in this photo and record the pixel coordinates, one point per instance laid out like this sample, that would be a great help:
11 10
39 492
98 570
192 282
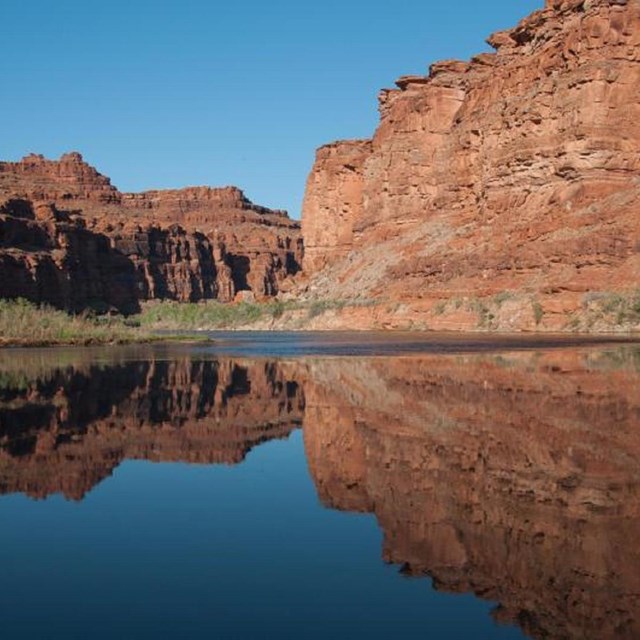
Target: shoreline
517 340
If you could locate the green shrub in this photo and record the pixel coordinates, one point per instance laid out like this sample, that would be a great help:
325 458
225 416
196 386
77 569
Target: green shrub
538 312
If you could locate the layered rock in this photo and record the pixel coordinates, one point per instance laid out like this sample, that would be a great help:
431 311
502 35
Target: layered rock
70 238
516 173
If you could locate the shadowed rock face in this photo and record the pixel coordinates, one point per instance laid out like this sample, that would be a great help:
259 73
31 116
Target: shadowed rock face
511 476
69 237
517 171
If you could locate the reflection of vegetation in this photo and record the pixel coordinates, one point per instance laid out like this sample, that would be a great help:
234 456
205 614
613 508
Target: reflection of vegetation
24 323
504 363
619 358
15 381
20 369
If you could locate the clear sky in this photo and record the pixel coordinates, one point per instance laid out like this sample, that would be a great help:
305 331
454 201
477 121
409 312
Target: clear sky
183 92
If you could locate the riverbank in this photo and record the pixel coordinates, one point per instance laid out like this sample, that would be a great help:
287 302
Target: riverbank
594 313
25 324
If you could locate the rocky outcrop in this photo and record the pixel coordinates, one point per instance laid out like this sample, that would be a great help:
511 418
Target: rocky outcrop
68 429
515 174
70 238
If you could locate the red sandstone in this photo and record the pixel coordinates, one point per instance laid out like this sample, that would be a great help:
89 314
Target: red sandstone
515 174
70 238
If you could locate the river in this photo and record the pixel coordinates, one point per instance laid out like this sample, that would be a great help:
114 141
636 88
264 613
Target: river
321 485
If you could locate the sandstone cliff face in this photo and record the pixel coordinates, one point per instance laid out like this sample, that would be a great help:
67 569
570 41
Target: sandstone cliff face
70 238
515 174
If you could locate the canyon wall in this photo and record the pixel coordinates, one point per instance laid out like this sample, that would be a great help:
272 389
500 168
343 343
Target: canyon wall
498 193
70 238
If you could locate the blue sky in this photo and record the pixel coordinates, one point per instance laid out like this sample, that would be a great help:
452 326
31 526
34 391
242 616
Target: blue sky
175 93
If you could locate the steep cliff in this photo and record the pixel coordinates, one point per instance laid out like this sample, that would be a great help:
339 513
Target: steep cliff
502 192
70 238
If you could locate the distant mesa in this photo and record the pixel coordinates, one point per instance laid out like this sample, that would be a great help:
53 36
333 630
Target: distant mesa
68 237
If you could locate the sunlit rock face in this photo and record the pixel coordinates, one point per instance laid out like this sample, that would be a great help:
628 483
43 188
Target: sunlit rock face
517 171
68 237
68 429
514 477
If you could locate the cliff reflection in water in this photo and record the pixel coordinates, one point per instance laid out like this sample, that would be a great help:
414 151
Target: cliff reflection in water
512 476
65 430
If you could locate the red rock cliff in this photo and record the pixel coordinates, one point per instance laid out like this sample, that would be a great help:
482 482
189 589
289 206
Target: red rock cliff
70 238
516 175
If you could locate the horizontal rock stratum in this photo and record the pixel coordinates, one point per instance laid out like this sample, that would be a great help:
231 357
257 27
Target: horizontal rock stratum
68 237
499 193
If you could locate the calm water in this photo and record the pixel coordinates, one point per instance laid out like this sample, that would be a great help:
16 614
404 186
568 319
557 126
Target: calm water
321 486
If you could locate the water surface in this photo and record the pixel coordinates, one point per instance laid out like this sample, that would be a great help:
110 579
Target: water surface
315 486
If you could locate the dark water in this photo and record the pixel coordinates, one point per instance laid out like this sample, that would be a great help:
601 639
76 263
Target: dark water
321 486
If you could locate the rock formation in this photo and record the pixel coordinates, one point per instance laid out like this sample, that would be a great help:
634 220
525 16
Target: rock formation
502 192
70 238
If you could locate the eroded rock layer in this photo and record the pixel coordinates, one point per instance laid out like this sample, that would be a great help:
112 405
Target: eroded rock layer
70 238
515 175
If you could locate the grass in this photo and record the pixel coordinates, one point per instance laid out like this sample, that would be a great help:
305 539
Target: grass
618 310
486 317
318 307
216 315
538 312
440 308
23 323
208 315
